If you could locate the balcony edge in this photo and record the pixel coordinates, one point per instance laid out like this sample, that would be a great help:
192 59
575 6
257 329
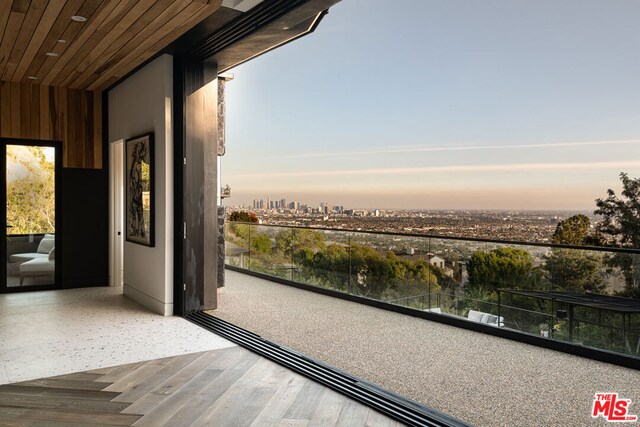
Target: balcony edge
561 346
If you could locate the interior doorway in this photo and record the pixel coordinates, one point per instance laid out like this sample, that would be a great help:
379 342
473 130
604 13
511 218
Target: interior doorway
116 203
29 171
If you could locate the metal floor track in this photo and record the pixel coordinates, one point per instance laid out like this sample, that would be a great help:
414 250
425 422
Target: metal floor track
379 399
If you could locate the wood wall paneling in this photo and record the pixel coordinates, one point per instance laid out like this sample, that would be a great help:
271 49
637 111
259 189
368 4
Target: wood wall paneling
5 109
25 110
35 111
15 110
89 120
45 117
73 126
73 116
97 130
53 111
61 127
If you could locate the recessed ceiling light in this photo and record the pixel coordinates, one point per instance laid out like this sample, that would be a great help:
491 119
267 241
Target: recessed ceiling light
62 41
32 77
78 18
51 54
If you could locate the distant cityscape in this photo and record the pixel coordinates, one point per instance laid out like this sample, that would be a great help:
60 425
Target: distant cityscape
513 225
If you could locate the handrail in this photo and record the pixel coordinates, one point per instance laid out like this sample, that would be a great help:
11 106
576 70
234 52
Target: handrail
466 239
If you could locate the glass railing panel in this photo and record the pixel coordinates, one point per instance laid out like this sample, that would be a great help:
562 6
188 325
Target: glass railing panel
526 315
471 273
585 296
321 258
237 252
265 251
447 258
392 268
594 328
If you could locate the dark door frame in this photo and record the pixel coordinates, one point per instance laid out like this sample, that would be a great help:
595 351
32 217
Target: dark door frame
57 145
194 214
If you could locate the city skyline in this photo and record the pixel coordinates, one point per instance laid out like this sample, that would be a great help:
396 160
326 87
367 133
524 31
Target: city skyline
492 106
285 204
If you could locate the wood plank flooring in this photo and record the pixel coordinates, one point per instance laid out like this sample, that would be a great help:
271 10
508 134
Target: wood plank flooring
227 387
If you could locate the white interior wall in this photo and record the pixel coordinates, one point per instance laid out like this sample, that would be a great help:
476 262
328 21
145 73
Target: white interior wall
116 211
141 104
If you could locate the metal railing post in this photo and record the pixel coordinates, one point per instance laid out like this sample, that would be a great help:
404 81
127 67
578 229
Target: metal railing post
429 269
349 272
293 266
499 322
249 236
551 321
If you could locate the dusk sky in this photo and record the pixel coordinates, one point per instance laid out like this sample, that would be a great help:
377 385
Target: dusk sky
432 104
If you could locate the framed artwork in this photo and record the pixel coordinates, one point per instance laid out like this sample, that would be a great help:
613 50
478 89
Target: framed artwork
139 190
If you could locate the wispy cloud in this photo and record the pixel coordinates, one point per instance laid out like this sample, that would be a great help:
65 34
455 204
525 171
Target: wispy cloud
510 167
424 149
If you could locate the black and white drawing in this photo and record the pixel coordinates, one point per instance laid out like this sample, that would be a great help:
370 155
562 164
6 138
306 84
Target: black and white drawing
139 190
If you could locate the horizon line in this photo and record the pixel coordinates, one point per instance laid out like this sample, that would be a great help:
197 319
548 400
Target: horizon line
422 148
507 167
453 209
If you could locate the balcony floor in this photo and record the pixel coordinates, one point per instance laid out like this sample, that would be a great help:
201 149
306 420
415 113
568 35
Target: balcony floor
481 379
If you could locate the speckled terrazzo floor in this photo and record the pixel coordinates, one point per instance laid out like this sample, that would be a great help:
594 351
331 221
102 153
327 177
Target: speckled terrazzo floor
484 380
59 332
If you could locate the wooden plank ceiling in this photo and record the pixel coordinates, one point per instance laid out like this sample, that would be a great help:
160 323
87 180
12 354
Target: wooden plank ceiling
42 44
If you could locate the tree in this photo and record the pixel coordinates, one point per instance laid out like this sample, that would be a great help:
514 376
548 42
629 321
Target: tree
289 240
575 270
572 231
359 268
621 216
30 190
500 268
621 227
242 216
241 230
261 244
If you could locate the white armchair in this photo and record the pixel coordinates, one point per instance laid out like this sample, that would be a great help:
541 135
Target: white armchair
38 267
39 263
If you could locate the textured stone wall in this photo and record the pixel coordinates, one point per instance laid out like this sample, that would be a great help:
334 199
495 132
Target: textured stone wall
221 251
